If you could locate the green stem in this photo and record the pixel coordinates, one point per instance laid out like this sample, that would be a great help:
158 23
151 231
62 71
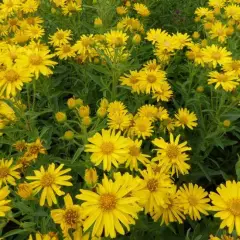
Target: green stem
34 93
15 221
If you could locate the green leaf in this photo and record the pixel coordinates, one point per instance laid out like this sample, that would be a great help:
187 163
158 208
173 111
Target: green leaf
14 232
77 154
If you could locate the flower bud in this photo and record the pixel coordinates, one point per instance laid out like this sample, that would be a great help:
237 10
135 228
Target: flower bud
61 117
86 121
79 102
68 135
91 176
200 89
104 103
25 190
98 22
226 123
71 102
136 39
196 35
84 111
101 112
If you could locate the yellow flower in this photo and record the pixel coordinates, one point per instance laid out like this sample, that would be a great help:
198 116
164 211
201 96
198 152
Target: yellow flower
109 207
149 111
70 8
185 118
84 111
50 181
91 176
151 65
12 80
131 80
30 6
227 80
4 204
121 10
8 173
226 202
48 236
181 40
98 22
164 92
172 212
216 55
65 51
70 217
8 7
162 114
68 135
154 35
172 155
218 31
119 121
234 65
61 37
108 147
194 200
25 190
142 127
115 107
20 145
35 32
61 117
135 155
141 9
71 102
151 80
38 62
153 189
35 148
116 38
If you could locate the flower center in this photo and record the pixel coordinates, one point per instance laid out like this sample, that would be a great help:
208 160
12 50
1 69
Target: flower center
172 151
107 148
13 22
216 55
234 207
133 80
134 151
47 180
60 35
34 149
4 172
192 200
35 59
142 127
66 49
118 41
235 65
71 217
152 185
108 202
222 78
151 78
183 119
11 76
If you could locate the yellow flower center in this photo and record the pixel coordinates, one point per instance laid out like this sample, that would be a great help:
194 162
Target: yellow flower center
71 217
118 41
142 127
60 35
152 185
13 22
234 207
134 151
66 49
107 148
47 180
11 76
133 80
172 151
235 65
108 202
31 21
4 172
216 55
34 149
35 59
151 78
222 78
183 119
192 200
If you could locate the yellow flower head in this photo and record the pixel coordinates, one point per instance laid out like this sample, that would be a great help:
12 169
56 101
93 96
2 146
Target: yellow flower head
154 35
30 6
20 145
40 236
119 121
115 107
172 155
25 190
70 217
218 31
108 147
116 38
226 202
91 176
109 207
135 155
50 182
194 200
149 111
8 173
4 204
61 37
35 148
164 92
131 80
185 118
141 9
142 127
65 51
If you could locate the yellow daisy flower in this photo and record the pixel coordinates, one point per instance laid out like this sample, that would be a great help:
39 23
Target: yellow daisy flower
216 55
151 65
108 147
39 236
35 32
116 38
109 207
61 37
162 114
234 65
38 62
227 80
154 35
70 217
65 51
226 202
164 92
35 148
135 155
218 31
12 80
185 118
172 212
8 173
4 204
141 9
154 189
149 111
119 121
30 6
194 200
50 182
142 127
131 80
115 107
71 8
172 155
